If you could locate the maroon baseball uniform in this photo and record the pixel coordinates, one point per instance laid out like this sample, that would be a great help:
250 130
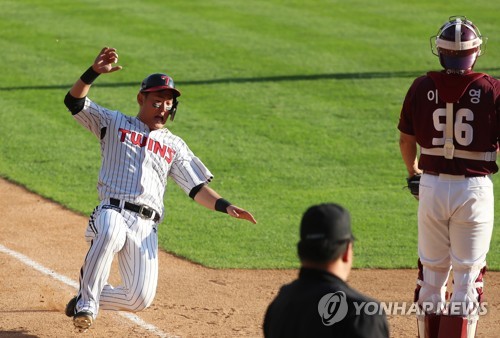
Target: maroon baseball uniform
450 128
475 110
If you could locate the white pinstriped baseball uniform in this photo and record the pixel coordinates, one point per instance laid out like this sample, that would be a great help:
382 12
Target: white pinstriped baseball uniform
136 163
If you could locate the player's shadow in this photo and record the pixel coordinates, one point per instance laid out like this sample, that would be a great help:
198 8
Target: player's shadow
16 334
277 78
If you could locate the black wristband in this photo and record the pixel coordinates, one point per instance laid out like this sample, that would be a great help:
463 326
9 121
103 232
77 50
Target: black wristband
221 205
89 76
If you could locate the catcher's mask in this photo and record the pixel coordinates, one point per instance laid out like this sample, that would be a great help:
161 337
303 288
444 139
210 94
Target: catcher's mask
159 82
457 44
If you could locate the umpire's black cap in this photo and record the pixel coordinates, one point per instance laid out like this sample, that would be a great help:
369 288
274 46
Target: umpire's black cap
158 82
323 229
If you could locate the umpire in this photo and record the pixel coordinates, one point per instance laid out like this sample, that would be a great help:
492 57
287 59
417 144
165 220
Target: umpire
320 303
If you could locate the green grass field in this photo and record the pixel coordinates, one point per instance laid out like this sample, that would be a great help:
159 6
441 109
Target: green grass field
289 103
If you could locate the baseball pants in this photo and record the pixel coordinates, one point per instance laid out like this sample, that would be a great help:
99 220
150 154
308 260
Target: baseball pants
114 231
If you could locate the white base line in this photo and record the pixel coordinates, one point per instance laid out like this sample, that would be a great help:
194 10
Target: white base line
130 316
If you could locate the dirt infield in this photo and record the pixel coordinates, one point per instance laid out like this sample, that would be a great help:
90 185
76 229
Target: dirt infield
192 301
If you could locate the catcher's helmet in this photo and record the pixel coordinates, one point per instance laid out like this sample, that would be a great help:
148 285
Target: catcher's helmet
458 44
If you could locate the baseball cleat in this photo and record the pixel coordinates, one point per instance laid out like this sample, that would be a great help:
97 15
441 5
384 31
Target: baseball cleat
70 307
83 320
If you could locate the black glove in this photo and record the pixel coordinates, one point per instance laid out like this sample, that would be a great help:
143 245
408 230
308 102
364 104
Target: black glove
413 183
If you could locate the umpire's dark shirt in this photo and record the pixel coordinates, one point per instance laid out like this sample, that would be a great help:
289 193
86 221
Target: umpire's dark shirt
294 312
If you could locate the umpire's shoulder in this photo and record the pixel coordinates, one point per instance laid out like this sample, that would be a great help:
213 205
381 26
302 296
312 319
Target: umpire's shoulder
359 297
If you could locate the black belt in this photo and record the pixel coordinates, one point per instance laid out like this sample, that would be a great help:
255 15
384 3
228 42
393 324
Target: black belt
143 211
433 173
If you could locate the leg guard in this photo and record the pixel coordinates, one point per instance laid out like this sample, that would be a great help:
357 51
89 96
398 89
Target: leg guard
464 304
453 327
467 291
458 327
430 293
428 325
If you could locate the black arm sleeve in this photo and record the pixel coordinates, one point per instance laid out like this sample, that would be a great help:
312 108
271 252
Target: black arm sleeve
195 190
73 104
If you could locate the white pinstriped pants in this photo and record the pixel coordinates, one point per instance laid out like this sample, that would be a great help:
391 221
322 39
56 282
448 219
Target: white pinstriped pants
134 241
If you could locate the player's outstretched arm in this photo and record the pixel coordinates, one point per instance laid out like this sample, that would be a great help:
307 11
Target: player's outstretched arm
103 63
210 199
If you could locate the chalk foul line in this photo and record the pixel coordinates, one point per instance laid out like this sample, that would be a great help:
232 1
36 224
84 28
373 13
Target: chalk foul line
65 280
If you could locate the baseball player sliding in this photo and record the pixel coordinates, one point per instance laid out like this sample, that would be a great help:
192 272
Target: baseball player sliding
454 117
138 154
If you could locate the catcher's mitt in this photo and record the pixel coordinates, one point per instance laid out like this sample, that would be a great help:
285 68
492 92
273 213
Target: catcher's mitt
413 183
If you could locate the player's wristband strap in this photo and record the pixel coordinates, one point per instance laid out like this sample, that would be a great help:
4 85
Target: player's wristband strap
89 76
221 205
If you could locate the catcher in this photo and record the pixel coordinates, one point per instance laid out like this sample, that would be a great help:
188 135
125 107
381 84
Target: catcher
454 117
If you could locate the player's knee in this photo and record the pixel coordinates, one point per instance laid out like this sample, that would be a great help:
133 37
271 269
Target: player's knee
467 290
430 293
143 302
142 306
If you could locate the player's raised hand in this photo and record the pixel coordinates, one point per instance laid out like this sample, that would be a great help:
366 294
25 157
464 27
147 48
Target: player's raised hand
104 62
237 212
